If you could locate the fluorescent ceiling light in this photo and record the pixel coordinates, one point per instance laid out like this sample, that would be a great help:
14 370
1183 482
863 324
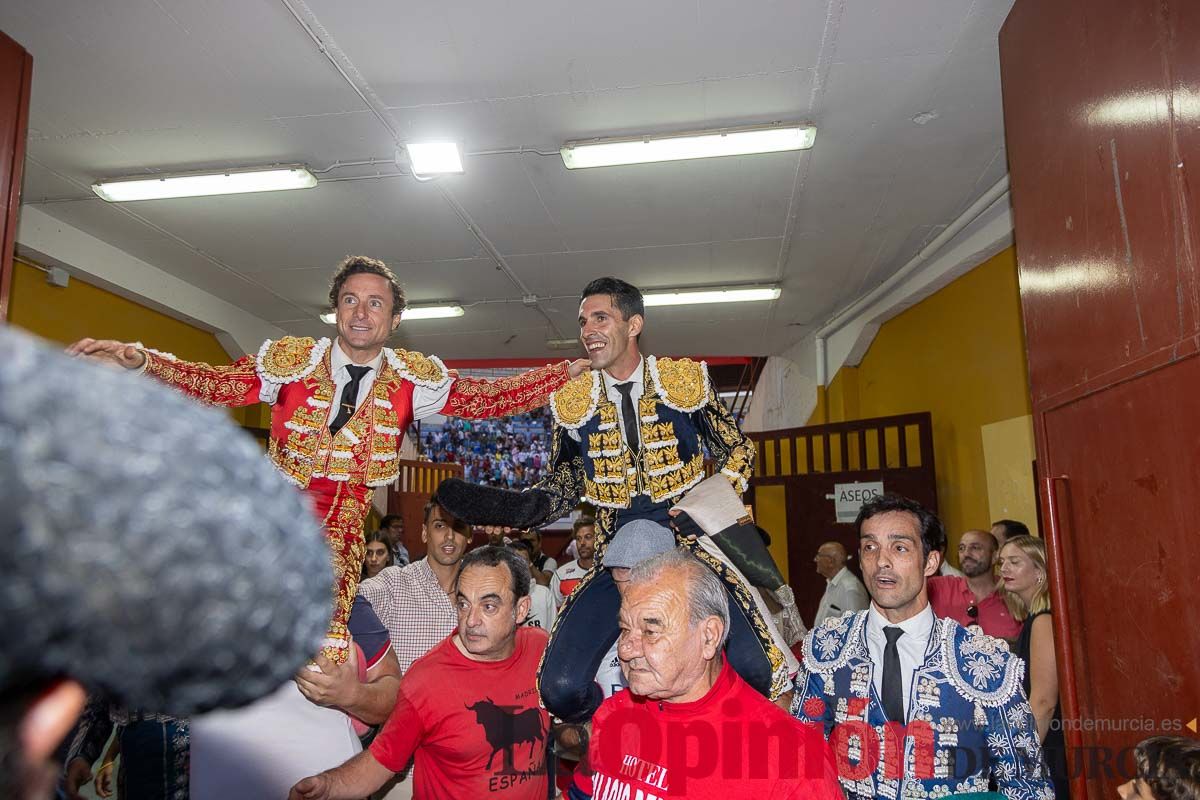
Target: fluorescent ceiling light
680 146
411 313
200 184
694 297
563 344
434 158
431 312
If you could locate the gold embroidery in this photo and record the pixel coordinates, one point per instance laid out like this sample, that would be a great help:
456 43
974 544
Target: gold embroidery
575 403
298 457
223 386
733 452
654 434
288 358
661 459
343 528
608 415
476 398
674 483
385 434
682 382
610 495
604 443
421 366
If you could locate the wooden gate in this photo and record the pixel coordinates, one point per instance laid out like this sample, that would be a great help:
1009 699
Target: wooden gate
798 469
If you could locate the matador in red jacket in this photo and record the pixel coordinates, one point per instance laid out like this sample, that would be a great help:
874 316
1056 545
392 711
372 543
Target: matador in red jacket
339 408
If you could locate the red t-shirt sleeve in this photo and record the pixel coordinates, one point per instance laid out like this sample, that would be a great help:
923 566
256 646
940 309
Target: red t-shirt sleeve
403 731
936 585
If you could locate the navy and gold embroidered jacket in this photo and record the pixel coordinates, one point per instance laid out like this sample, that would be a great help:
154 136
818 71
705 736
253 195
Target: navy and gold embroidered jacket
680 417
968 719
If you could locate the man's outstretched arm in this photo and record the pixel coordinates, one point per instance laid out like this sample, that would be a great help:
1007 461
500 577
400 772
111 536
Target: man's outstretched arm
236 384
357 778
480 398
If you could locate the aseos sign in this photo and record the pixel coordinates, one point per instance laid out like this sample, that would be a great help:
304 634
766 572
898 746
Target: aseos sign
849 498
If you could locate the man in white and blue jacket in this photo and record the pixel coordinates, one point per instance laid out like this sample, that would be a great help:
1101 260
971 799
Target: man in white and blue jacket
916 707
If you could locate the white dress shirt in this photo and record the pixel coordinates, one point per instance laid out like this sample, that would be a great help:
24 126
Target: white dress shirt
338 363
911 647
843 592
425 401
635 394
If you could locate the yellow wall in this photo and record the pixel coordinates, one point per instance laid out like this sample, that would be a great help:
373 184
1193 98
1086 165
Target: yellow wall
1008 449
79 310
959 354
770 513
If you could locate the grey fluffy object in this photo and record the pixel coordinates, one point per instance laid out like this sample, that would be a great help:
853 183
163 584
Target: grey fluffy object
149 549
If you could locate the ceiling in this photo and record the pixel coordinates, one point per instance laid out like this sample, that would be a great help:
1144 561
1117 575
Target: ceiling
168 85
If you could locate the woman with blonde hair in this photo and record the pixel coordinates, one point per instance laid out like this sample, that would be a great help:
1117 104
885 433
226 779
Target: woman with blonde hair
1023 571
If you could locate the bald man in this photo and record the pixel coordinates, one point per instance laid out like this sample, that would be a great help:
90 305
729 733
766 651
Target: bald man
843 591
975 599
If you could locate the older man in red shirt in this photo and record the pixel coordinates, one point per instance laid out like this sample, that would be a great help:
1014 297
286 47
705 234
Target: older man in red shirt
689 726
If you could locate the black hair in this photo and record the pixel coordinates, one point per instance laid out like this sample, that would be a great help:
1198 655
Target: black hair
521 544
625 296
455 523
382 538
362 265
933 534
1170 765
387 521
491 555
1012 528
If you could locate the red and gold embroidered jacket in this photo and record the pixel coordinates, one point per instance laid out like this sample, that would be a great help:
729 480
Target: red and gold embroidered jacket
294 375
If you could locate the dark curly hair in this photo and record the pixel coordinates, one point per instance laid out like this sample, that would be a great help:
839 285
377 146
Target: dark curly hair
933 534
362 265
1170 765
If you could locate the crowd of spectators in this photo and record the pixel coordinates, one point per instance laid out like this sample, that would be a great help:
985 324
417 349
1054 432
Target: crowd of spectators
511 453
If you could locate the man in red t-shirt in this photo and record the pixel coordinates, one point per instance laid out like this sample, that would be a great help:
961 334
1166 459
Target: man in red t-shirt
468 710
975 599
689 726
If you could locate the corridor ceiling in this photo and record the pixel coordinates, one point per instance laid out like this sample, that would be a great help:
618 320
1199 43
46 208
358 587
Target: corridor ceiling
904 94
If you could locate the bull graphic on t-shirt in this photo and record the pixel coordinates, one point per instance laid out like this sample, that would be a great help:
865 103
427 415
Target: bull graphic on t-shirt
504 730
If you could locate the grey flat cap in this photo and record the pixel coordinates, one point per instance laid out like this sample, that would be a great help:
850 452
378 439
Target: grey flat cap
636 541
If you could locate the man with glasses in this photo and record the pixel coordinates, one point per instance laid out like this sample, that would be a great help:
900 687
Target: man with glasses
975 599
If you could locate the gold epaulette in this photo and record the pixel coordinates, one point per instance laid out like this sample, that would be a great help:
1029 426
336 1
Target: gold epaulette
418 368
575 403
682 383
289 359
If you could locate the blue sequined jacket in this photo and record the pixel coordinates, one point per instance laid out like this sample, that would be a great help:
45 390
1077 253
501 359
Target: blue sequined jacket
968 716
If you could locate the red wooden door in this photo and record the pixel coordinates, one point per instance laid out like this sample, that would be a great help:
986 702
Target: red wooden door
16 72
1103 133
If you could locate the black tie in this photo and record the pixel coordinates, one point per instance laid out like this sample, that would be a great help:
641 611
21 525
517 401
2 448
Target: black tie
893 685
629 415
349 398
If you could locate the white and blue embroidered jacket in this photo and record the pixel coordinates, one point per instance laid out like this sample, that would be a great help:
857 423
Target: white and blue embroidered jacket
968 718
